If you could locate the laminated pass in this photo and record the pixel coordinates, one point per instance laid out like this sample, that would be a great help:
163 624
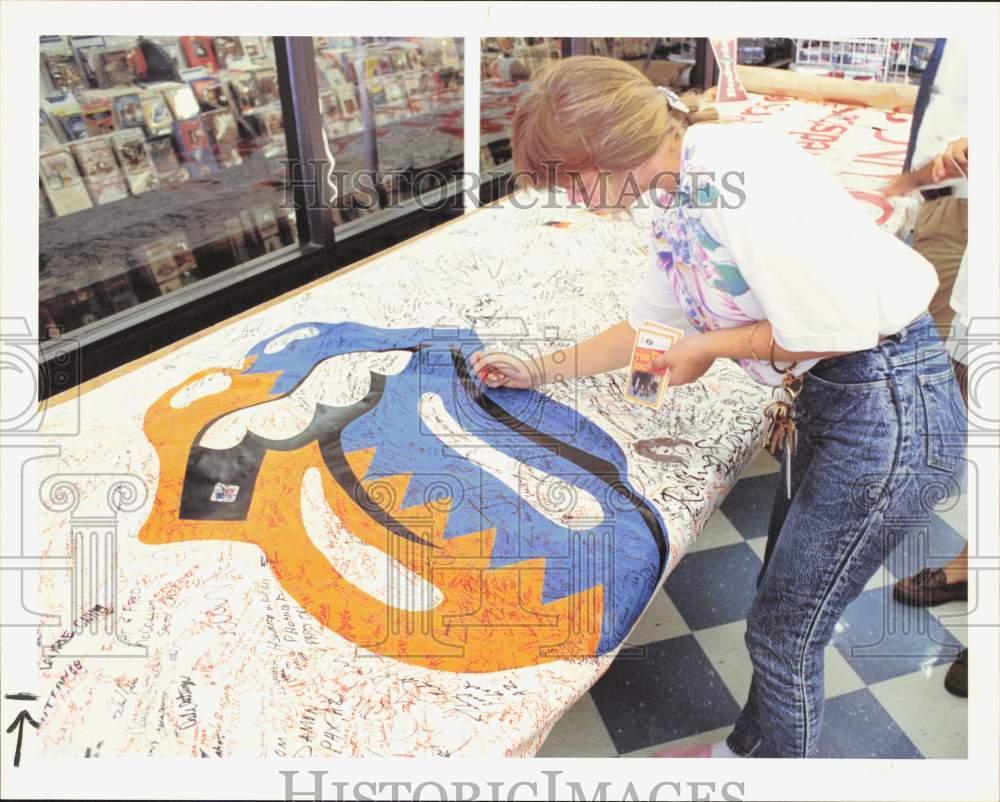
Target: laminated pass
646 385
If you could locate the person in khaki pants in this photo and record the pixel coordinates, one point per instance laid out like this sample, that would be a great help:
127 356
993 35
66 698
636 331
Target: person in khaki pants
939 120
937 164
941 231
940 234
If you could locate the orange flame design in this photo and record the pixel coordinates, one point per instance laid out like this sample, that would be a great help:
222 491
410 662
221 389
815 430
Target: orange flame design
490 619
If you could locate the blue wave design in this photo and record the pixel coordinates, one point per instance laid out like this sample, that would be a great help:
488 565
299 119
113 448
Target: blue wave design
620 554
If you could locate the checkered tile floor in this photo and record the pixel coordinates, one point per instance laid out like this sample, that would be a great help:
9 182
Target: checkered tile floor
686 684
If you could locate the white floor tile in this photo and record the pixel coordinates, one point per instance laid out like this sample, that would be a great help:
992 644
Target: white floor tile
761 465
839 677
953 512
954 616
579 733
718 531
660 622
709 737
758 544
931 717
881 579
728 653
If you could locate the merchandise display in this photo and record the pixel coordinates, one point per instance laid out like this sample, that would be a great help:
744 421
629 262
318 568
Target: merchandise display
172 135
414 86
128 111
209 110
99 169
61 65
133 156
62 182
180 99
66 111
506 66
198 52
866 59
156 114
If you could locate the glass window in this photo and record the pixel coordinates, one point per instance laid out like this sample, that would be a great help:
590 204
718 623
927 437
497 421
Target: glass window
160 165
506 67
507 64
392 111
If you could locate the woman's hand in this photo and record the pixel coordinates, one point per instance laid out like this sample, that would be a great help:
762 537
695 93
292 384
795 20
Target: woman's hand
498 369
686 360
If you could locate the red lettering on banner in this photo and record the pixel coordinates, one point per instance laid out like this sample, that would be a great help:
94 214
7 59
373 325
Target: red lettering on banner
828 129
844 114
887 158
816 137
893 172
765 109
763 113
880 202
820 135
897 116
881 137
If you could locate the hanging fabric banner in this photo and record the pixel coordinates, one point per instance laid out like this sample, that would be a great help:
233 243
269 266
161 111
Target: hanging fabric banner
730 88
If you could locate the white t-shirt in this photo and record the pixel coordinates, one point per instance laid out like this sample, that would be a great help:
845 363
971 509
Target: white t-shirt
759 231
946 116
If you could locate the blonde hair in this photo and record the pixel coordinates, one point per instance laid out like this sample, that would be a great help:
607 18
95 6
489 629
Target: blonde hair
592 113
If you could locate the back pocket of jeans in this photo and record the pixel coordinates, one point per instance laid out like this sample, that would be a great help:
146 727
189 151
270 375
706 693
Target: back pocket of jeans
943 419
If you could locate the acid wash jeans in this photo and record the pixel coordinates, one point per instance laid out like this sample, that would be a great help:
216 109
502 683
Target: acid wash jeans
880 434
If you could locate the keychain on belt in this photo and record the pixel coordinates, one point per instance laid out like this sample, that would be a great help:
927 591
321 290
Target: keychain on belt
780 413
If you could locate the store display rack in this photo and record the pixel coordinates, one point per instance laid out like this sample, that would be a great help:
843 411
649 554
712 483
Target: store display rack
161 157
129 120
864 58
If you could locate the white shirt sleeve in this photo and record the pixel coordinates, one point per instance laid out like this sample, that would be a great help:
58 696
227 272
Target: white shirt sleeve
946 116
826 275
656 301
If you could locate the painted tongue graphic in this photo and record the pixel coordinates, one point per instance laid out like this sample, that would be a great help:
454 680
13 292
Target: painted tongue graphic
406 508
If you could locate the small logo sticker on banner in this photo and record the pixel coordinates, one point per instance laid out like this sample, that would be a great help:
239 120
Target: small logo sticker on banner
225 493
730 87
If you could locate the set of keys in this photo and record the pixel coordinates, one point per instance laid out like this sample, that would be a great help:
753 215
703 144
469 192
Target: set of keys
780 414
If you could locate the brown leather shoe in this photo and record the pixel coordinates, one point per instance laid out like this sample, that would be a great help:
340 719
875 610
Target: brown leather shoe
928 587
956 681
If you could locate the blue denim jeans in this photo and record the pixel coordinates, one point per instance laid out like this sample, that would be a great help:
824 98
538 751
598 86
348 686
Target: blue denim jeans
881 439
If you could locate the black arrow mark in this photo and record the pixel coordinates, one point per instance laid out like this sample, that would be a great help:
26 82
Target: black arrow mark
18 722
